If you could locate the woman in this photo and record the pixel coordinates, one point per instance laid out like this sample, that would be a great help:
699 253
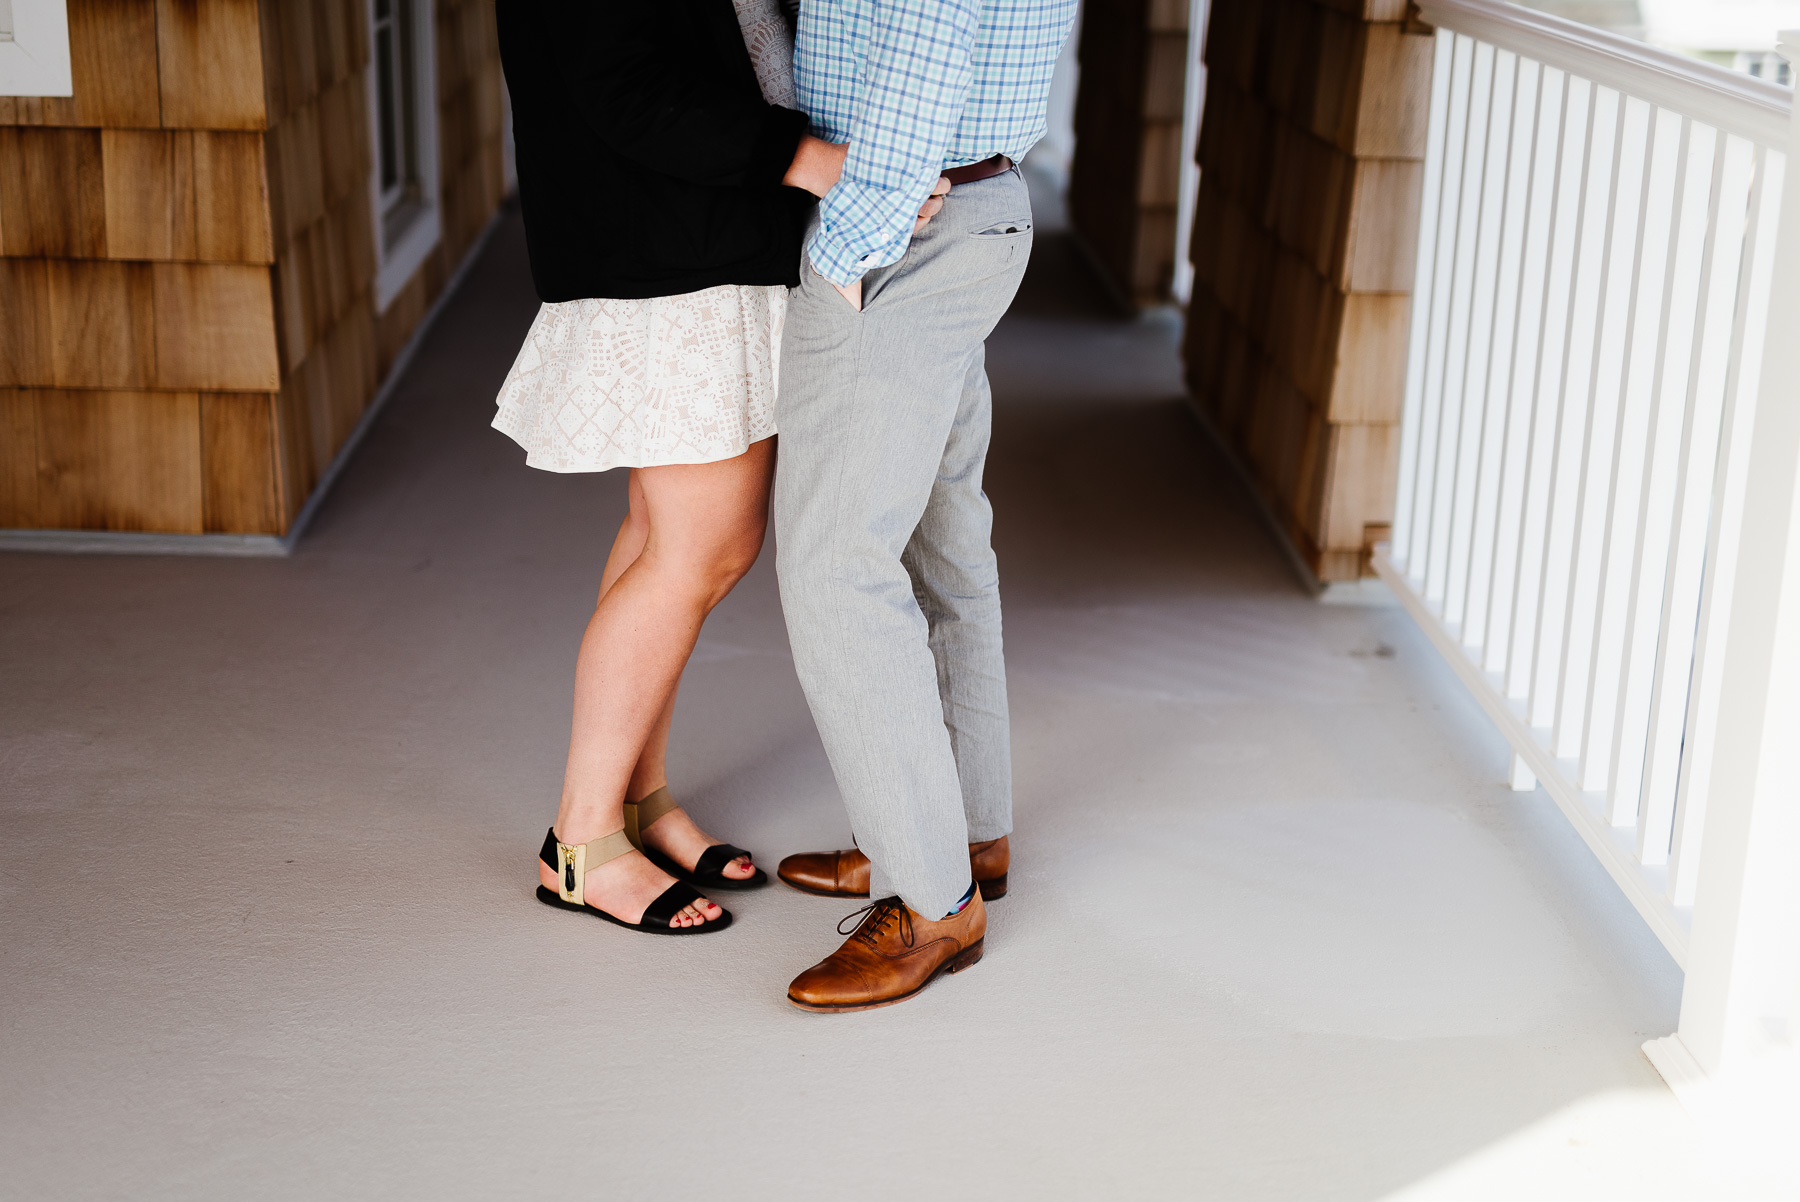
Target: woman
665 178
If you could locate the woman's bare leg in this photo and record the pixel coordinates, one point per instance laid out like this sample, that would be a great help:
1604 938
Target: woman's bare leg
675 834
703 526
650 774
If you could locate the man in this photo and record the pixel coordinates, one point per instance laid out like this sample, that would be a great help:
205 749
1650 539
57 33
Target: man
888 577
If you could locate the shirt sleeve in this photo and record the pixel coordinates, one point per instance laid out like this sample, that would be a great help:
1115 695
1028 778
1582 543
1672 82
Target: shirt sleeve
920 67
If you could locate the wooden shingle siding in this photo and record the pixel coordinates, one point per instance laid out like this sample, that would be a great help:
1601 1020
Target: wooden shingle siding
239 482
18 457
231 202
308 47
113 46
187 256
51 193
119 460
149 184
209 64
85 323
1125 180
26 334
319 158
1302 249
1380 240
133 194
101 331
215 327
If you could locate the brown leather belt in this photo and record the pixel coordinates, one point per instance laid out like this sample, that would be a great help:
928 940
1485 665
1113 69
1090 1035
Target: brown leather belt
985 169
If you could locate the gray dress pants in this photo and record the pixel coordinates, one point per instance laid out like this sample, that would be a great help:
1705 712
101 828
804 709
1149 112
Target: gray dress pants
888 577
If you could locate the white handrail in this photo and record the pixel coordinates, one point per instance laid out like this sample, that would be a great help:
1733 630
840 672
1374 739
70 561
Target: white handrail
1736 103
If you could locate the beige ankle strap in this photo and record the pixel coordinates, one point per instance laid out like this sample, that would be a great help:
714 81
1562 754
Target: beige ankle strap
640 816
575 860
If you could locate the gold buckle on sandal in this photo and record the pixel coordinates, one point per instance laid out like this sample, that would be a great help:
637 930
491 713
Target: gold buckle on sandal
571 864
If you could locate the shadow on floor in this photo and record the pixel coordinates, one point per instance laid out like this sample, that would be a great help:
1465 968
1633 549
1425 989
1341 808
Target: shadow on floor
266 854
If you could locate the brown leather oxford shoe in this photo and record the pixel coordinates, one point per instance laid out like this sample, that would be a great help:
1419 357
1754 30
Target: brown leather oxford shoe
892 954
846 873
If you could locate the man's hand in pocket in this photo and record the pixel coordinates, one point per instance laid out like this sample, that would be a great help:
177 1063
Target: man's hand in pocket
933 205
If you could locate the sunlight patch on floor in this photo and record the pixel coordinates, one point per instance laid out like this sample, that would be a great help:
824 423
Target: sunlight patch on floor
1636 1144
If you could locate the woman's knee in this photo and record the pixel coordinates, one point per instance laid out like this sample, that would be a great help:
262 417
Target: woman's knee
709 563
735 554
707 522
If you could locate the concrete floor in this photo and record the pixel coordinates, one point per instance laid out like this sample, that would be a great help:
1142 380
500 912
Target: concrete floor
1276 929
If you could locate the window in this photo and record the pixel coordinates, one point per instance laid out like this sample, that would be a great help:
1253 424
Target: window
402 115
34 48
1764 64
396 98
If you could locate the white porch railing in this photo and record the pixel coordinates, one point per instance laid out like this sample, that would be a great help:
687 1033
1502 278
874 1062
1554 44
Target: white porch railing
1597 471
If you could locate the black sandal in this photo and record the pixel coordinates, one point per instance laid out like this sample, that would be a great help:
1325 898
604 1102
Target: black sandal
573 861
709 871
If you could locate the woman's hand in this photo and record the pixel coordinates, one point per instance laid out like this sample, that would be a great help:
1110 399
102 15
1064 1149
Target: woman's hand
817 164
933 204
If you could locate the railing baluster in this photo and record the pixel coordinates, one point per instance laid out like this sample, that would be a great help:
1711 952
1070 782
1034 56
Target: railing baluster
1600 399
1473 512
1432 408
1575 332
1703 230
1424 302
1641 211
1622 687
1516 314
1450 471
1742 365
1591 433
1534 369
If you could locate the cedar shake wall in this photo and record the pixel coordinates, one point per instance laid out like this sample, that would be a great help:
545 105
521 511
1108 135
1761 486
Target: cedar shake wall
315 55
335 349
186 258
1125 181
137 335
1303 249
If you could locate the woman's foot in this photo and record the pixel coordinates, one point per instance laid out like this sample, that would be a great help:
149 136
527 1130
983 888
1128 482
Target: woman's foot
676 836
625 887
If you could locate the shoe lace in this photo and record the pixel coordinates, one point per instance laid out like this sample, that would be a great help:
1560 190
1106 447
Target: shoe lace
874 919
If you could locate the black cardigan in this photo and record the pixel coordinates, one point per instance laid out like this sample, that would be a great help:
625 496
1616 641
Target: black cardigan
649 164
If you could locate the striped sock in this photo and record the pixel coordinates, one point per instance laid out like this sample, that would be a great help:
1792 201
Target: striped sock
963 904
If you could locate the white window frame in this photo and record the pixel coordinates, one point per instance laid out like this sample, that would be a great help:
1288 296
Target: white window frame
1193 109
34 60
400 256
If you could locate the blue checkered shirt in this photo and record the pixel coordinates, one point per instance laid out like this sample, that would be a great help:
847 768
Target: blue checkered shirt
916 86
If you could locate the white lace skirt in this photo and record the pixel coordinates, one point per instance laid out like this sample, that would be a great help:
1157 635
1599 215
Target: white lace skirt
638 383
